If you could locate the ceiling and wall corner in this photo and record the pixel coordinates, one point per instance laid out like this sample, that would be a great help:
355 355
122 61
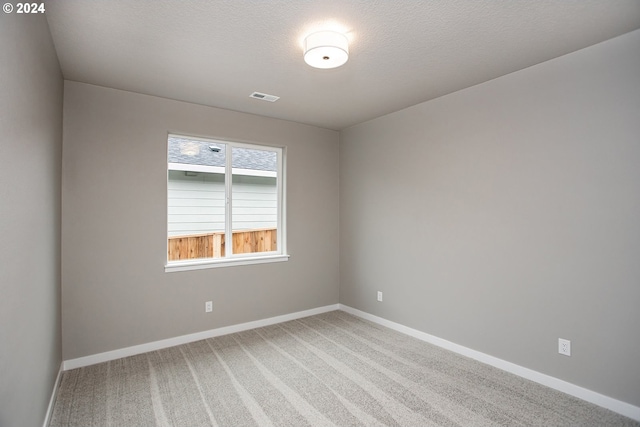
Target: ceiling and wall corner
216 53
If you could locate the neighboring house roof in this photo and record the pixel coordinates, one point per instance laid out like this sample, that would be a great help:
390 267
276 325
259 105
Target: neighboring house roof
196 152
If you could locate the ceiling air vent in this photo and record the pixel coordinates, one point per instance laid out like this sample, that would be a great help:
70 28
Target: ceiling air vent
264 96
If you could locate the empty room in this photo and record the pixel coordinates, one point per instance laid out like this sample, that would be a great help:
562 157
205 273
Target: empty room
320 213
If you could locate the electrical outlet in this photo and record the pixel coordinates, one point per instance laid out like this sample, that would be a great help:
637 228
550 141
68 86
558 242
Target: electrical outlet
208 306
379 296
564 347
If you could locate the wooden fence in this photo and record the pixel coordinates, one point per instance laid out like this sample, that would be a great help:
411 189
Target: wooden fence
212 245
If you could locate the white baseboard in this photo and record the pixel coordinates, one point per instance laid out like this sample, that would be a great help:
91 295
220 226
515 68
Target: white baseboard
184 339
623 408
52 401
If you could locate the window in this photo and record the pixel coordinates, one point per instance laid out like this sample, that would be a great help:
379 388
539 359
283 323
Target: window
225 203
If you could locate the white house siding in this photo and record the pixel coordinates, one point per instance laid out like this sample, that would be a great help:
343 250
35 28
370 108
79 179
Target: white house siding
255 203
196 203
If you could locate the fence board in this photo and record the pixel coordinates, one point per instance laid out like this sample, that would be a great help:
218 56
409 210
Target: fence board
212 245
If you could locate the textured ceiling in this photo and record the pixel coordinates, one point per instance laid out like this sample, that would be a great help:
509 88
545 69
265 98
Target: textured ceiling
218 52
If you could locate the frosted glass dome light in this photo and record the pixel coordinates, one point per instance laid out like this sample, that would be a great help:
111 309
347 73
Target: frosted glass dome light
326 49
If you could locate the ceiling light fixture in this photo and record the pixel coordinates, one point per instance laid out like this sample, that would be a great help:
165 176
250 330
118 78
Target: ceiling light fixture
326 49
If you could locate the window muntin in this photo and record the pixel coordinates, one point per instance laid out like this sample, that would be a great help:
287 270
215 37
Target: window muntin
224 201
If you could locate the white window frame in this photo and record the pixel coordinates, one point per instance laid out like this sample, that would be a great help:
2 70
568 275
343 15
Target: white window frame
234 259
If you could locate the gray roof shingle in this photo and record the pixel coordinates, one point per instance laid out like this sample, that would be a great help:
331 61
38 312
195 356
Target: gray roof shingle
196 152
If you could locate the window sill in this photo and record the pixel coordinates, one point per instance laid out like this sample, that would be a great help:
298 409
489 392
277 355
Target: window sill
231 262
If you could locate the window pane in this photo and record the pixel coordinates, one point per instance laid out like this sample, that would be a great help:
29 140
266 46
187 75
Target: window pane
196 199
254 189
224 199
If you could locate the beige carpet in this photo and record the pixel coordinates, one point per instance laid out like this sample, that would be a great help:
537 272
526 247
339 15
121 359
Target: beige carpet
332 369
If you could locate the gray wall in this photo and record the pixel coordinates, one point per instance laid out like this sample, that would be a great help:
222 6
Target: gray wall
507 215
30 150
114 229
